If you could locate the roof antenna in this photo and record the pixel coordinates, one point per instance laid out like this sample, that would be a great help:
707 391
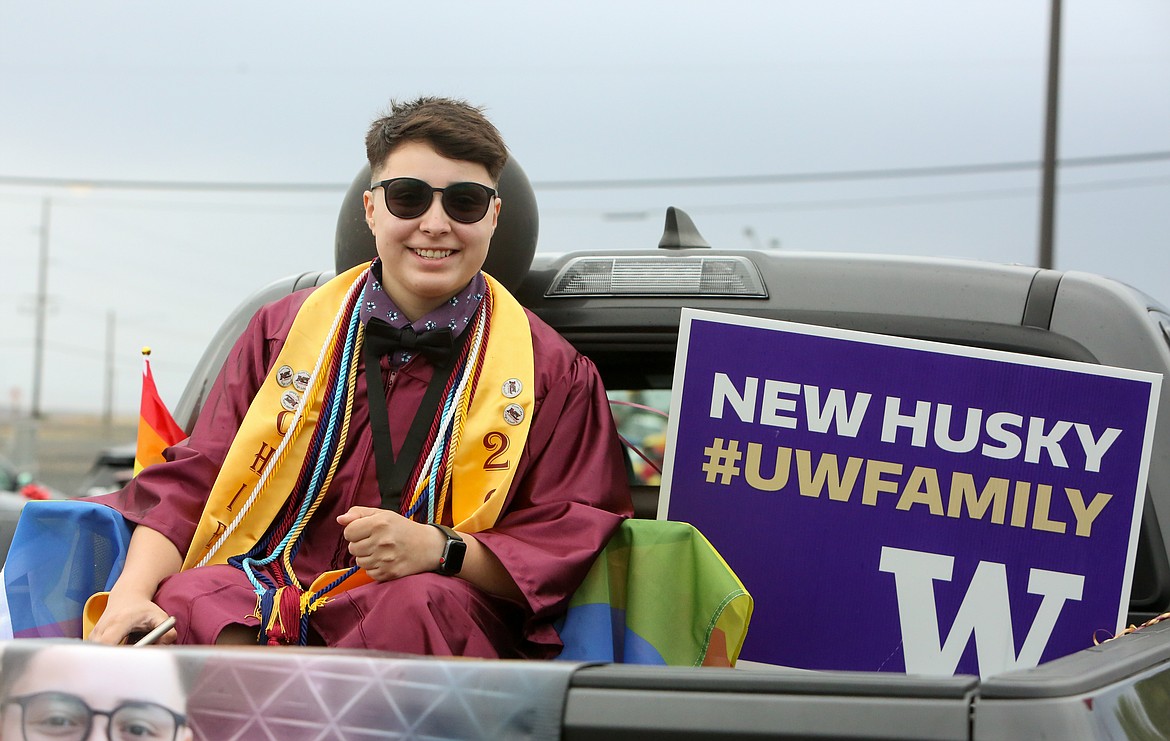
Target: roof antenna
680 232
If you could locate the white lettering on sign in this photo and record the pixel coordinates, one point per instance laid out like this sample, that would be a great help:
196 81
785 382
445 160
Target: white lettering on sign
1008 434
744 405
999 435
780 400
836 410
985 612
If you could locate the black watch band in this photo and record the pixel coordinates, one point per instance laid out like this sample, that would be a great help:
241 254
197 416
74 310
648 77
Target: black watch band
451 562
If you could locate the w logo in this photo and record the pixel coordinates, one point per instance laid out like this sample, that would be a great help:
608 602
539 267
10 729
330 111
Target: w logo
984 612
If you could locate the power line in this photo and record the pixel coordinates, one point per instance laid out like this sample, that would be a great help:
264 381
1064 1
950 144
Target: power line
180 185
926 198
846 175
713 180
909 199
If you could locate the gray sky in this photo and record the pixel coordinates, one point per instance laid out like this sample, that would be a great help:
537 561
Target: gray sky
283 91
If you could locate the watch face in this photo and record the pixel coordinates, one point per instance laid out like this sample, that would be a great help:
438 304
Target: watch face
452 561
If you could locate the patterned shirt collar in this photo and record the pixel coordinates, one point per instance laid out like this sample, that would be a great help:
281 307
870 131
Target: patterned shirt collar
456 313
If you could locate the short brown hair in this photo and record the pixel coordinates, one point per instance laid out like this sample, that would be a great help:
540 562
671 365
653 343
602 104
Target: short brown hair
456 129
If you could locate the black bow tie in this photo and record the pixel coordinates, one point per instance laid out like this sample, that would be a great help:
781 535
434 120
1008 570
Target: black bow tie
383 339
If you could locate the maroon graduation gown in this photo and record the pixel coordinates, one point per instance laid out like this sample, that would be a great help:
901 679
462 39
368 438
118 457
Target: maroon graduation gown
569 495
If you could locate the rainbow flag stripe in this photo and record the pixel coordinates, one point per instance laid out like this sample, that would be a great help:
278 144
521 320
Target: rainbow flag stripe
659 593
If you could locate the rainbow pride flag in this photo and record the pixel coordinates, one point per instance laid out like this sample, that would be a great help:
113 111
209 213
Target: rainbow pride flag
659 593
157 429
62 552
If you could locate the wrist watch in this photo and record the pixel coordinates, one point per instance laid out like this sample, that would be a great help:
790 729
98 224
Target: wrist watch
454 550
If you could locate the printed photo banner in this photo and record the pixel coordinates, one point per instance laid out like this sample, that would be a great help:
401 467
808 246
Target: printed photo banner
238 693
908 506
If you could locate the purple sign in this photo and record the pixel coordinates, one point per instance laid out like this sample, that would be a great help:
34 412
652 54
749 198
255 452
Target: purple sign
907 506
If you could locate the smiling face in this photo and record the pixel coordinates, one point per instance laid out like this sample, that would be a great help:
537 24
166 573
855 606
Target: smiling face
427 260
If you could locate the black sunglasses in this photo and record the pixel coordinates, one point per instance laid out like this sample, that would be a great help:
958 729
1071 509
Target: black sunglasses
409 198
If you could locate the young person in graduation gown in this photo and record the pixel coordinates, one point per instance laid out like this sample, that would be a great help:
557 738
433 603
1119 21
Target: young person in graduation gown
403 459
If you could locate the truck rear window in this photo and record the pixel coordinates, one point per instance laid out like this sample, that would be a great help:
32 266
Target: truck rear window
641 416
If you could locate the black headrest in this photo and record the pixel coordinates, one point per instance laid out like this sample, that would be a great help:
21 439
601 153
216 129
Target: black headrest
512 247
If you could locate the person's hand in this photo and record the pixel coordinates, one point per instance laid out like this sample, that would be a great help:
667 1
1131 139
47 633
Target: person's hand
126 614
389 546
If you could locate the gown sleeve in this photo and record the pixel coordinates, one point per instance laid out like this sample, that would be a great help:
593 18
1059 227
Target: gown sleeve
169 497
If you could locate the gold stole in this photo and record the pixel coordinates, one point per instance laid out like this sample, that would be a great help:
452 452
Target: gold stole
482 475
485 461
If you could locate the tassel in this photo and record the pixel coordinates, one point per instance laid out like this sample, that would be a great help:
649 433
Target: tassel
288 616
280 616
264 613
309 605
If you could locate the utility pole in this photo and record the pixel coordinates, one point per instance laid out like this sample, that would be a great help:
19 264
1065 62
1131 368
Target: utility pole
1046 257
40 310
